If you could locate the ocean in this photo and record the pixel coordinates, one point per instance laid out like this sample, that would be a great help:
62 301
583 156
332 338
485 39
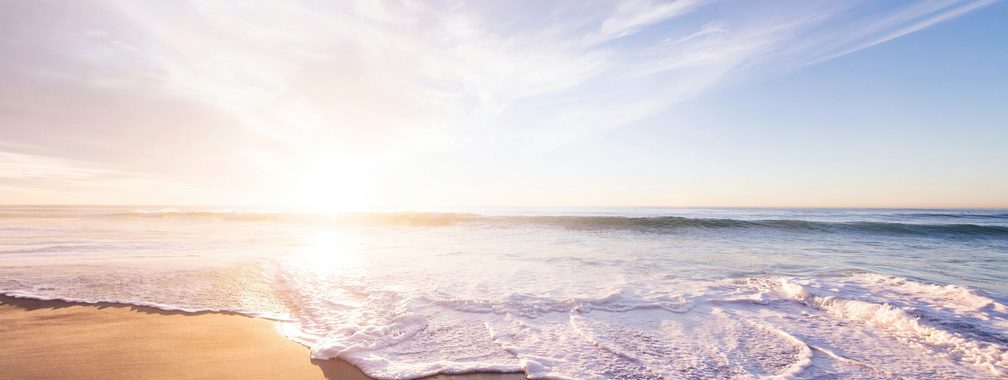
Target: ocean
642 293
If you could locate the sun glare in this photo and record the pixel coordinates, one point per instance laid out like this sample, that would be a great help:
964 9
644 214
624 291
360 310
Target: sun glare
330 187
329 252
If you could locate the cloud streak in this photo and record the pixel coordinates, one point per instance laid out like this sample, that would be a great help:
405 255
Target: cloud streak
288 82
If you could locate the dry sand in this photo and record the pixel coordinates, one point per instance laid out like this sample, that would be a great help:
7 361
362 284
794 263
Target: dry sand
66 340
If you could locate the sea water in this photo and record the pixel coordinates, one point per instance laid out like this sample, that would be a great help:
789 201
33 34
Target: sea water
557 293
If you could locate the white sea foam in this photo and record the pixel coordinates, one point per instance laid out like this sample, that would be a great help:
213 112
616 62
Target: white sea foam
725 330
963 346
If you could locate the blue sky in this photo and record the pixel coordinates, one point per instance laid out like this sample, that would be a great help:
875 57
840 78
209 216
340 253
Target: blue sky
919 121
352 105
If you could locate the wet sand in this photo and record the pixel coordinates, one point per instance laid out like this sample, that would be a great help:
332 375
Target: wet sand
67 340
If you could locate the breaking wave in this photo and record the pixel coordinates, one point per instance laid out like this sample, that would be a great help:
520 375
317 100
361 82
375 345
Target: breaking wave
654 224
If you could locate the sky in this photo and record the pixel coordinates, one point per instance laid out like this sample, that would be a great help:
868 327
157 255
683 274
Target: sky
353 105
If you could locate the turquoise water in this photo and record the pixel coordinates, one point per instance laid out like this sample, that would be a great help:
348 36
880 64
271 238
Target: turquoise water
557 293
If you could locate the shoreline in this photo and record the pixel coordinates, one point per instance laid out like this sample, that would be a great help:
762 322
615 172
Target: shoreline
42 339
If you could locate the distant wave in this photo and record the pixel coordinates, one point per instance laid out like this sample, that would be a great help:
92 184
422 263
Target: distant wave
958 215
396 218
645 224
980 224
201 214
666 223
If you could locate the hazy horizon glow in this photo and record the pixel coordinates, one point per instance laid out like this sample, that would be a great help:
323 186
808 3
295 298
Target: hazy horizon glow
376 105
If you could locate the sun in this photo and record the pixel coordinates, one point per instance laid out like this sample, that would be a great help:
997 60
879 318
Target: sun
332 186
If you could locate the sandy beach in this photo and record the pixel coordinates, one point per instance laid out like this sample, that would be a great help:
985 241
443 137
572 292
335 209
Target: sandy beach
66 340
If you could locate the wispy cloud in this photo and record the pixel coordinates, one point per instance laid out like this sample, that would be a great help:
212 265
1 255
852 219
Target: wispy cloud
16 166
283 81
631 16
873 30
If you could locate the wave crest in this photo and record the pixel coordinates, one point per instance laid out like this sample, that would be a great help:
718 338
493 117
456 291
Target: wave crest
656 224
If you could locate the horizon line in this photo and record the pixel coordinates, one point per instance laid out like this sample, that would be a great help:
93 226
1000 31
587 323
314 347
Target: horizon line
437 209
